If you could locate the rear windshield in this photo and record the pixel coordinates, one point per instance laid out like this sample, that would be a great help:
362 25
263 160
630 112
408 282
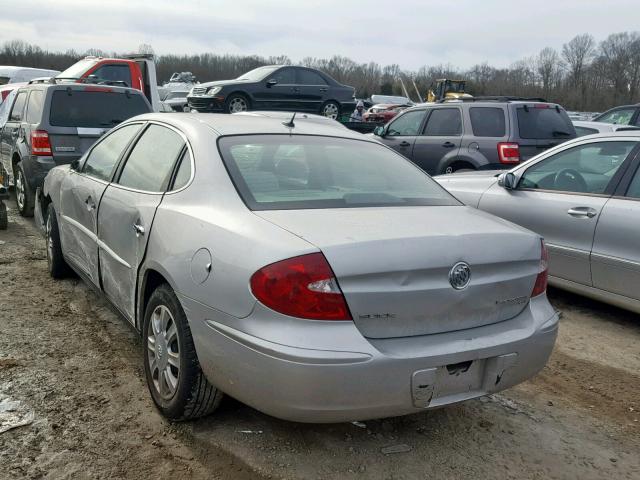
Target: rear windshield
284 172
94 109
544 122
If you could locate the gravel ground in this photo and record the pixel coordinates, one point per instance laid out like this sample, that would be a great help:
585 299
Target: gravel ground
76 367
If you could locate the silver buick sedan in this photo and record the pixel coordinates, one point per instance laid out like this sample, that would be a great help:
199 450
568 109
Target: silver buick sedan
584 197
297 266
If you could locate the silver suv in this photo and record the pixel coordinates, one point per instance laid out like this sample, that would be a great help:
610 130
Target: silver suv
484 133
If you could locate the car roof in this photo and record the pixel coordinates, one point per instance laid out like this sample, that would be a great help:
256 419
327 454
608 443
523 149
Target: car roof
12 68
80 86
256 123
481 103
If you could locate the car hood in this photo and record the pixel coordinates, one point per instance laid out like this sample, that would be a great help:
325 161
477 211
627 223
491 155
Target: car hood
224 83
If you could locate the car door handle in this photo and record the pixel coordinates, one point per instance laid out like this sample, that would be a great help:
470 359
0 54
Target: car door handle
90 203
448 145
296 89
582 212
139 229
404 144
324 90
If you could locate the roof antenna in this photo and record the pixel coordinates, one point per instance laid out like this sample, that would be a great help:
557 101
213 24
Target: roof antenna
290 123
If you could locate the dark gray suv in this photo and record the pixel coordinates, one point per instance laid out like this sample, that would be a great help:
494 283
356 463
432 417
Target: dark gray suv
476 135
51 124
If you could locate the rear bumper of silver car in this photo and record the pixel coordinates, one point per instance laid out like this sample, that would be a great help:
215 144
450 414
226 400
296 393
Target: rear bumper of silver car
361 379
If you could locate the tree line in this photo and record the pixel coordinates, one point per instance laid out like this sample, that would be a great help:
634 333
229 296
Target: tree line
584 75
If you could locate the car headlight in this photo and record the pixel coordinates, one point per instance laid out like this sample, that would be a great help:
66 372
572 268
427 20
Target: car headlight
213 90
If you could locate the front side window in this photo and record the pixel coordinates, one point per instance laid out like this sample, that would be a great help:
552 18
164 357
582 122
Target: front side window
285 76
583 169
113 73
103 157
444 122
582 131
283 172
151 161
18 107
407 124
621 116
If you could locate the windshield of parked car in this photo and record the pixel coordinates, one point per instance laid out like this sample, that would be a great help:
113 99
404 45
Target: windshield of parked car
292 172
544 122
94 107
78 69
258 74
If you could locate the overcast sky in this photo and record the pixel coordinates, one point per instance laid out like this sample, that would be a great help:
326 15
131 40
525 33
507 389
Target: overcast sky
410 33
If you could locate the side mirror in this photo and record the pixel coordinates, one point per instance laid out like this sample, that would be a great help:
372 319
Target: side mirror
379 131
75 165
508 181
271 82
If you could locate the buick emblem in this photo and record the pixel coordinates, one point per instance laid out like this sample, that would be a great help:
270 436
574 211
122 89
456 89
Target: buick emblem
460 275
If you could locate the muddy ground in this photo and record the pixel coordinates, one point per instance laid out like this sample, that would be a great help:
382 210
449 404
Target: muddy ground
76 366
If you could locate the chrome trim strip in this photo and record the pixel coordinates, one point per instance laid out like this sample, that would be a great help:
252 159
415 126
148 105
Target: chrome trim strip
615 260
79 226
113 254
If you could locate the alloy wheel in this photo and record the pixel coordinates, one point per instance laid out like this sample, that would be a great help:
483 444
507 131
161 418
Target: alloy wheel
20 194
163 352
49 241
237 104
330 110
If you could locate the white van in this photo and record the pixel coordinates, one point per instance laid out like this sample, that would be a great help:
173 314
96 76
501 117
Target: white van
10 74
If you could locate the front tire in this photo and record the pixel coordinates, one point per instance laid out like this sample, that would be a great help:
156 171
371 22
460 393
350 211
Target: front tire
174 377
4 221
24 195
58 267
331 110
237 103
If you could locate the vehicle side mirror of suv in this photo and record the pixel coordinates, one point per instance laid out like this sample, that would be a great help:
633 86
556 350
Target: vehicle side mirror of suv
271 82
507 180
379 131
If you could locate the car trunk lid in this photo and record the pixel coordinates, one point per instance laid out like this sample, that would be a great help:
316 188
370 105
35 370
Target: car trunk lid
393 265
70 143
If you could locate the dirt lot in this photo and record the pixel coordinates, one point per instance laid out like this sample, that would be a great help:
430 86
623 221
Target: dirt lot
77 367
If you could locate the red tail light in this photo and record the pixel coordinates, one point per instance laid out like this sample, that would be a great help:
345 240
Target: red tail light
303 287
509 152
5 94
543 274
40 144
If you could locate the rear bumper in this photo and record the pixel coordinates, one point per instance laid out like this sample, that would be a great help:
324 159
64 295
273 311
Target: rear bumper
36 168
357 379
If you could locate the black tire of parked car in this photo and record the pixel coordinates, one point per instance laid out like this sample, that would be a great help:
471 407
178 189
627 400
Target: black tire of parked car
58 267
194 396
330 109
4 221
236 98
25 208
458 167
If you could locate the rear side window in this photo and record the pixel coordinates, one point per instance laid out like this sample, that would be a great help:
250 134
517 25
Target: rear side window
444 122
18 107
94 107
151 161
104 156
634 188
291 172
582 131
34 107
620 116
114 73
184 172
306 77
544 122
487 122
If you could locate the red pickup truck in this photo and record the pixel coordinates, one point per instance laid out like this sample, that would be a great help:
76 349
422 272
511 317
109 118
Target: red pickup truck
134 71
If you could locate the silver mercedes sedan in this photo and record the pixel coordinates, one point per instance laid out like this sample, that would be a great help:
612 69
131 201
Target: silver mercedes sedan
297 266
584 198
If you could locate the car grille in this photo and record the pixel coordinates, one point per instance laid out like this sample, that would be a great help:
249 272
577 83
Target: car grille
199 90
195 102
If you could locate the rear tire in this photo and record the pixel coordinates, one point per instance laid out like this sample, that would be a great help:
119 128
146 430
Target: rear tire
58 267
457 167
331 109
174 377
4 221
24 195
